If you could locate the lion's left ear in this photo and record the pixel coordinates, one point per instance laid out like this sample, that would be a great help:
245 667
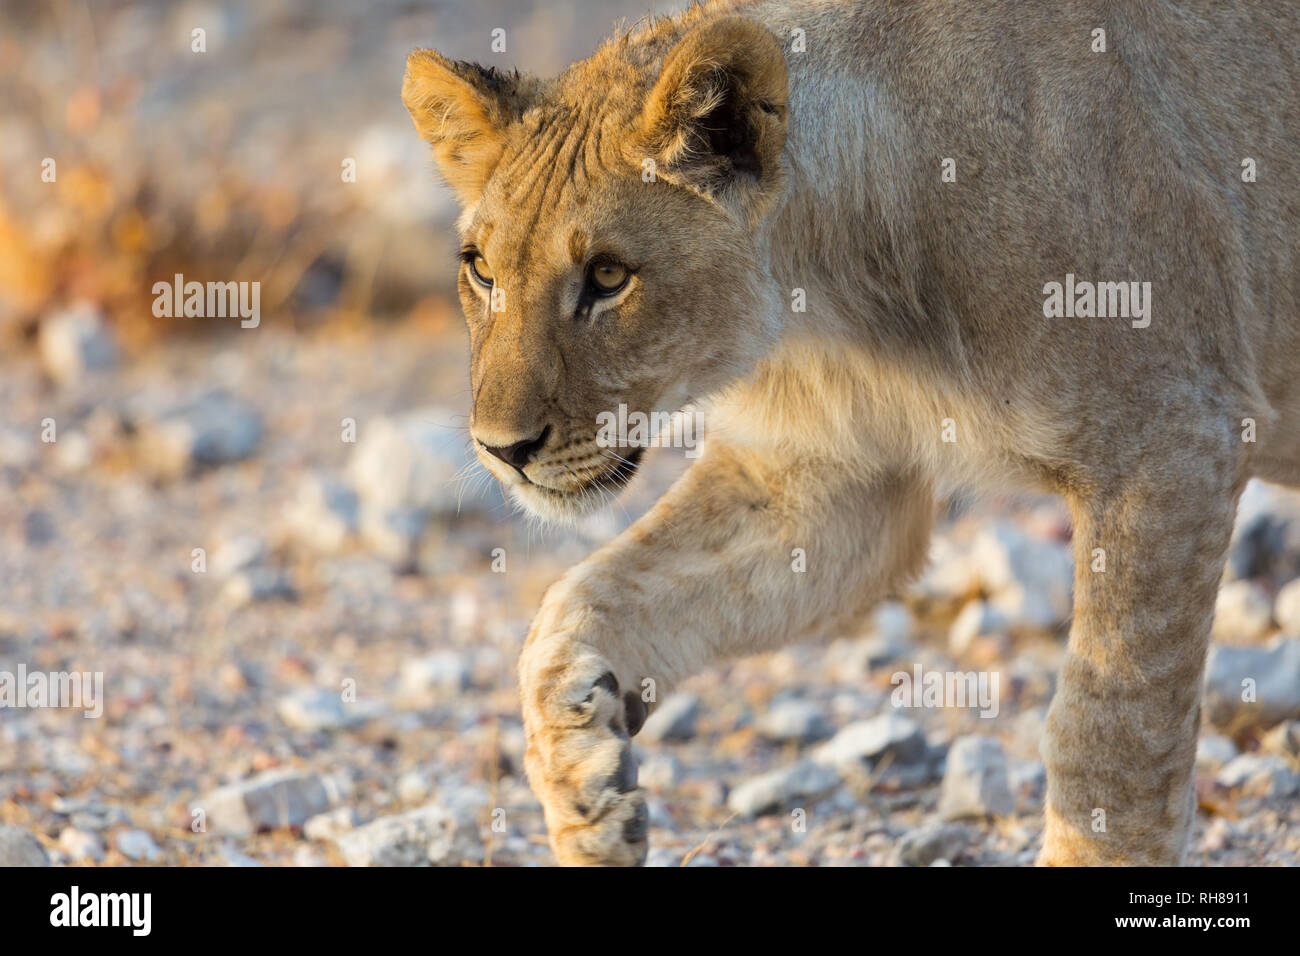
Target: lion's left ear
716 119
463 110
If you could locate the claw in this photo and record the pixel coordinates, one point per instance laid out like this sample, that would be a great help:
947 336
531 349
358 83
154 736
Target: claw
635 710
624 780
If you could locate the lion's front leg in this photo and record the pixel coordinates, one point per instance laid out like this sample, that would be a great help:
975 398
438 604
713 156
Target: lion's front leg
1121 736
579 720
711 572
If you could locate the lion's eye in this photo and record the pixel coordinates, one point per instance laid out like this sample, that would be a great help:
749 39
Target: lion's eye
481 271
607 278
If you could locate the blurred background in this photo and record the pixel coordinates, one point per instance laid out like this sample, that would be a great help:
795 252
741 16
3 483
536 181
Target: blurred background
305 599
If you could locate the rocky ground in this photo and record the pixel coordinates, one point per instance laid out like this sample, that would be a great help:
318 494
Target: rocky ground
306 603
307 609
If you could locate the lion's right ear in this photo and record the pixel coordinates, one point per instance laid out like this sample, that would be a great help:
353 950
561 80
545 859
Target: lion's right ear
463 110
716 118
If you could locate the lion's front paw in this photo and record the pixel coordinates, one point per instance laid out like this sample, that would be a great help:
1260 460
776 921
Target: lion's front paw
580 763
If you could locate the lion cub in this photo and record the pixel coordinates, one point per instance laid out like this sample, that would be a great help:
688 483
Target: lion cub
849 228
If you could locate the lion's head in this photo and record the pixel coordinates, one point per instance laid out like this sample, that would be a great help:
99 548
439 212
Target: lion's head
610 249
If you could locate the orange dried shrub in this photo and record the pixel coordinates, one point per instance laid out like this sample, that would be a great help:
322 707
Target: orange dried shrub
26 279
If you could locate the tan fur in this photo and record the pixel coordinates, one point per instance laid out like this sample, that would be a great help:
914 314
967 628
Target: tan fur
779 170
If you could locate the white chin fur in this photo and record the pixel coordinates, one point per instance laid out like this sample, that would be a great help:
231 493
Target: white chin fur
557 509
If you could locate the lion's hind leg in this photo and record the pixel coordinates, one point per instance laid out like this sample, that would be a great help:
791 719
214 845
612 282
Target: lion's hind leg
1150 546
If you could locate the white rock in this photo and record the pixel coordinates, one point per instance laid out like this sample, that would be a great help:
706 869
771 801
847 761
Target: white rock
314 708
256 584
1219 835
414 462
467 802
659 816
331 824
1242 613
950 571
394 533
891 626
1286 609
782 788
1283 740
325 514
1026 608
275 798
887 639
137 845
17 447
673 720
1253 686
1266 538
75 342
659 856
659 771
865 742
73 452
445 671
931 843
81 844
20 848
975 781
466 611
1213 751
236 554
1028 781
232 857
428 834
1260 775
414 786
1004 556
214 429
797 721
1027 729
977 619
307 856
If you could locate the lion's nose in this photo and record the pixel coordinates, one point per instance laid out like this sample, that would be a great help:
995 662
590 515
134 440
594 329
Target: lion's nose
521 452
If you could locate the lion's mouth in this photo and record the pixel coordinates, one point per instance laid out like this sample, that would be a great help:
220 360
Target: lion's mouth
613 479
624 468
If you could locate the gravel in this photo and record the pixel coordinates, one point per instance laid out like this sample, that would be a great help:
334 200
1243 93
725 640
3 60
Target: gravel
1243 613
865 742
1253 686
74 343
214 429
779 789
335 683
977 619
276 798
81 845
794 721
1262 775
138 846
1286 608
427 835
931 843
673 720
975 781
20 848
